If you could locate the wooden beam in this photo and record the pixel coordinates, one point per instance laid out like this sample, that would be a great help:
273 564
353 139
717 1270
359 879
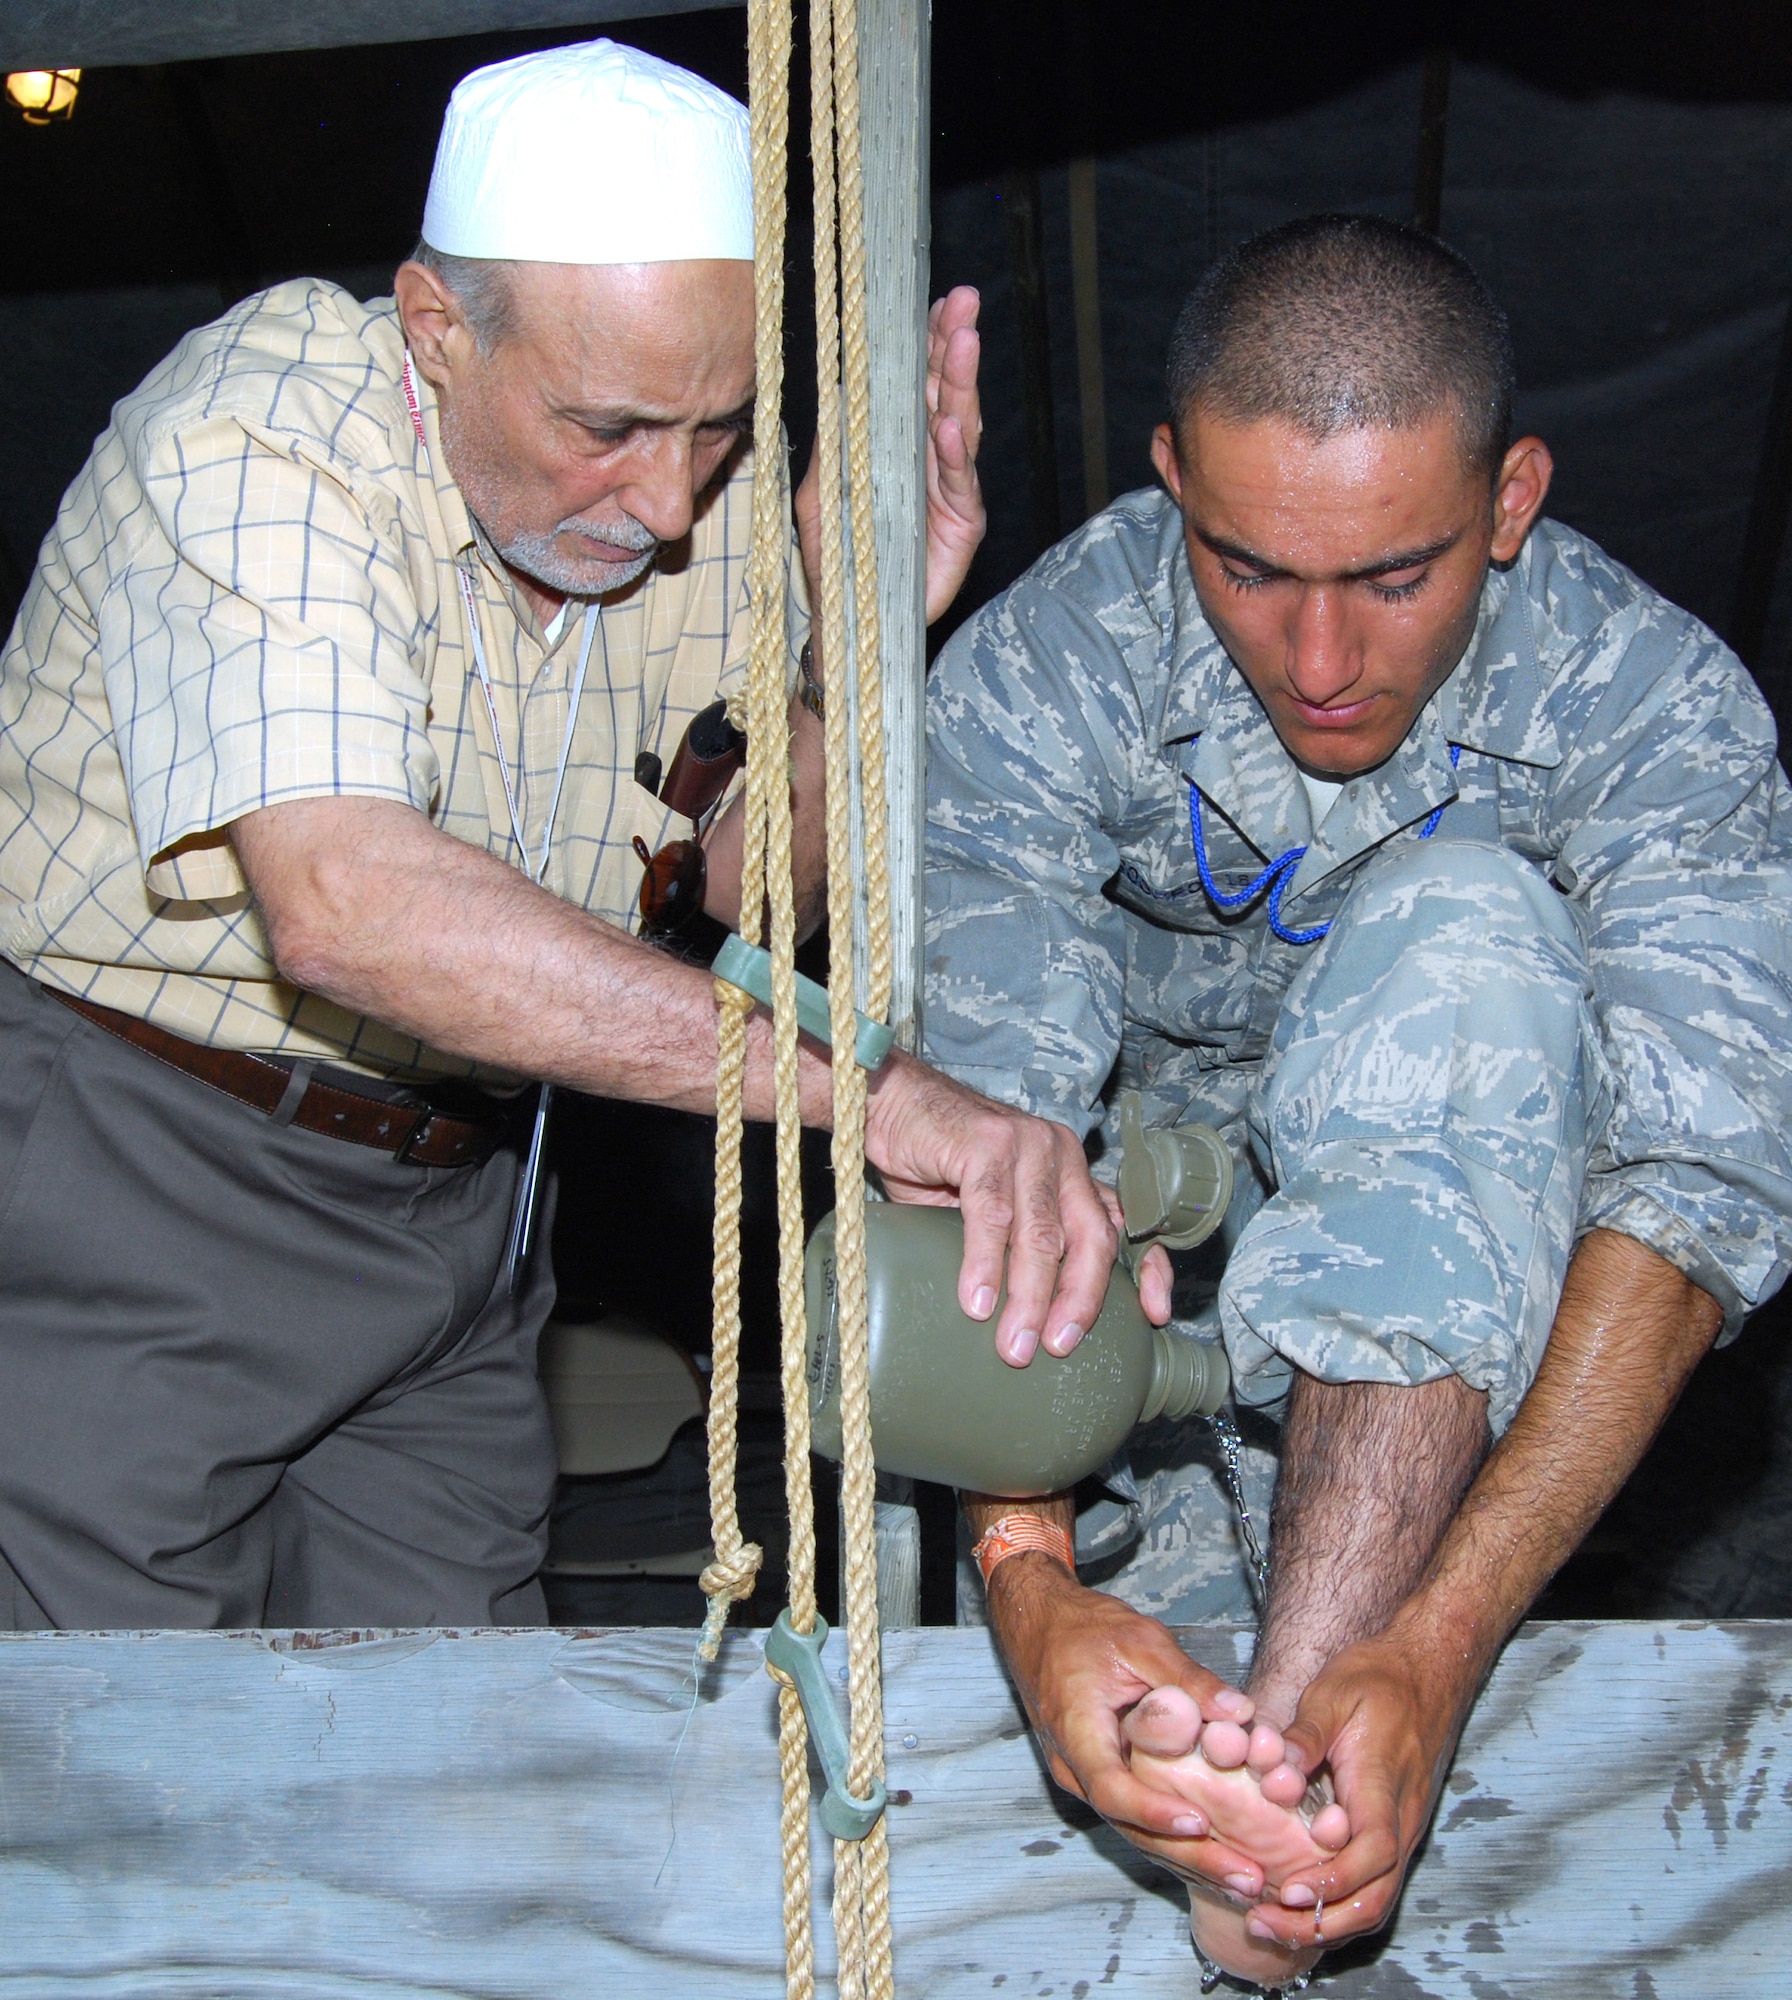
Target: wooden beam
895 74
543 1814
99 34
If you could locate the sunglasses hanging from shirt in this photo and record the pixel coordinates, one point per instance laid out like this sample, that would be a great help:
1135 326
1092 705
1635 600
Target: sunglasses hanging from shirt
711 752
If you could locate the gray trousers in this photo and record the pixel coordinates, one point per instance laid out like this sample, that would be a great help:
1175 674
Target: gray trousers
250 1375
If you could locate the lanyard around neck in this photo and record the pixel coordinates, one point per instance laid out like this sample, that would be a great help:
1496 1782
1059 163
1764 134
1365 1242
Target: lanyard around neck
469 598
1280 872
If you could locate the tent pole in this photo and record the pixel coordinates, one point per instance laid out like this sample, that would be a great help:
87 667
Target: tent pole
895 69
1434 136
893 41
1085 286
1026 249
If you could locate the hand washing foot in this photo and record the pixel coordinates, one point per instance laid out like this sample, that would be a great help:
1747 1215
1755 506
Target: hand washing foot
1254 1801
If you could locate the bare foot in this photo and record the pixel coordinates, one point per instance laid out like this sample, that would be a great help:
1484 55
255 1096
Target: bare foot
1234 1776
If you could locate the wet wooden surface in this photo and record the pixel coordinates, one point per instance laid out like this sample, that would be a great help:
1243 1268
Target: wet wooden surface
524 1814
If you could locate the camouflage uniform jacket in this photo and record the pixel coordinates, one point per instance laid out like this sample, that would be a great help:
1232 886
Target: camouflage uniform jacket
1605 735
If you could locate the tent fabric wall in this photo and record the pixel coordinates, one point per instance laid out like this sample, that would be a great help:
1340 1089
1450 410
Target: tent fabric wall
1642 247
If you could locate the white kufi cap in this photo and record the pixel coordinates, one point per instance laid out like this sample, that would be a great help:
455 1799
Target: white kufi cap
595 154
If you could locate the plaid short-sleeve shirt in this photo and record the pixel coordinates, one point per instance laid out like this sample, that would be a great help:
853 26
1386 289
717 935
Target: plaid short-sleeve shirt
250 595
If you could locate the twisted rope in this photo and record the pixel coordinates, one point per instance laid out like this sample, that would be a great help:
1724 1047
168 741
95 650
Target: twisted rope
732 1574
861 1897
861 1888
867 617
766 876
793 1830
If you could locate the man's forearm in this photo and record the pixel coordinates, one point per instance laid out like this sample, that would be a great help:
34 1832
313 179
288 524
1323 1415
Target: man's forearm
368 904
371 906
1628 1333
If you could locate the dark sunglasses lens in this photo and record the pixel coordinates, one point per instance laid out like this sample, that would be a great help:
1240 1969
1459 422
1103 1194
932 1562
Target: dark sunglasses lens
672 888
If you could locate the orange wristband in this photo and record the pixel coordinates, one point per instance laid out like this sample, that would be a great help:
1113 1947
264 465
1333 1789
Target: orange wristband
1013 1534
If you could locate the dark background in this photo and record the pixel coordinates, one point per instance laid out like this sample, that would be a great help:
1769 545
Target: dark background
1622 175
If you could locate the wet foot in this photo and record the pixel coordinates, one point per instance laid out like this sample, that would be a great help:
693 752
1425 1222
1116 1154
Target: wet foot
1218 1929
1254 1801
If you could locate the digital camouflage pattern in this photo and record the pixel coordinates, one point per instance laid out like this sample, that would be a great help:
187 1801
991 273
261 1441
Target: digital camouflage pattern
1566 1010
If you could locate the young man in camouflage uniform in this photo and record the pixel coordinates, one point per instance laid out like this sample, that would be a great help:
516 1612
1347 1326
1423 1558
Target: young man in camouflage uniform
1334 797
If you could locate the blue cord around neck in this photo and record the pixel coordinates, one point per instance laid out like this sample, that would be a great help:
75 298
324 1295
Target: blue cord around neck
1276 877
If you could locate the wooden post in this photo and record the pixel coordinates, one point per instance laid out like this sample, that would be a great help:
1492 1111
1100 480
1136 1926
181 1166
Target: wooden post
895 71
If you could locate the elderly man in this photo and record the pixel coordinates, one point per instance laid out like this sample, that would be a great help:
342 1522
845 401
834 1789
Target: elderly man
1335 797
345 679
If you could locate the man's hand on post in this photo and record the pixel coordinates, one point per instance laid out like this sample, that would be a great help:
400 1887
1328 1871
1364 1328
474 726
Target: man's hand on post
956 518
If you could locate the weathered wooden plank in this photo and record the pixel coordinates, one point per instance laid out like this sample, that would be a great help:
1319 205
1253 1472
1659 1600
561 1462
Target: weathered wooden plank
525 1814
96 33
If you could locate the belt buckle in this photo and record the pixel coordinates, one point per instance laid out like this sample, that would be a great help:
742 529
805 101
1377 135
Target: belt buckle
418 1135
476 1148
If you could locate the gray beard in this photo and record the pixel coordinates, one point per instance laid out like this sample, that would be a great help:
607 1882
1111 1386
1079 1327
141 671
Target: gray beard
538 556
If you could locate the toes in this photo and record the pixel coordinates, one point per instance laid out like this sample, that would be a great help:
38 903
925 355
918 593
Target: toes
1284 1786
1266 1749
1224 1745
1331 1826
1165 1724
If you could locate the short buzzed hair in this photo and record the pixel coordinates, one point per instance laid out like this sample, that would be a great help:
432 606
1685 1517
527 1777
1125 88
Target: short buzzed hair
1337 323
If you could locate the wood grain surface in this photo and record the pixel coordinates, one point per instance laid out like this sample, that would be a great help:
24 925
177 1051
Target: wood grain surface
523 1814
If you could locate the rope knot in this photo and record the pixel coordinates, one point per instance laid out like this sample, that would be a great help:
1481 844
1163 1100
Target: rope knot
724 1582
733 1576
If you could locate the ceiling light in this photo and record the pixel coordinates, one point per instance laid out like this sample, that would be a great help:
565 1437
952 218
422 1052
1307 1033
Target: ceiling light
44 95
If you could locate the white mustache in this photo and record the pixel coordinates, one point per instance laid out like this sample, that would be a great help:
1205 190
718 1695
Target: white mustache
627 533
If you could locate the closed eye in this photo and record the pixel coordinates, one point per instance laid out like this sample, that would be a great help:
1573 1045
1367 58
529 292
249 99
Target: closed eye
1398 593
609 433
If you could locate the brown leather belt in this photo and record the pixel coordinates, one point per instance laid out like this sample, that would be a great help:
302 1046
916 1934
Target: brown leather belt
409 1132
